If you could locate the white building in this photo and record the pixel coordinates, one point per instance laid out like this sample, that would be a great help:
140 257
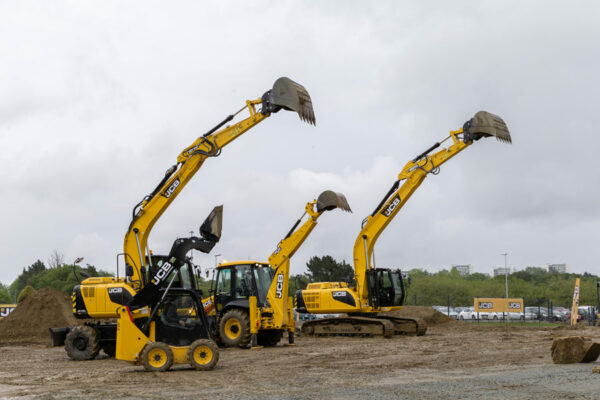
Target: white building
560 268
463 269
501 271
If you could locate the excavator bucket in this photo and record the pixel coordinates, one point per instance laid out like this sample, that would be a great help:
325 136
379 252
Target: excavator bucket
329 200
292 96
485 124
212 225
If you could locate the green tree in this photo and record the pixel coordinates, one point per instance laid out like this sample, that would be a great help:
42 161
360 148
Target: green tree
326 269
27 290
5 296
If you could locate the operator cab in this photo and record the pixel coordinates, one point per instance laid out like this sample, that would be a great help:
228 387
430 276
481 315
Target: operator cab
185 278
386 287
180 318
236 282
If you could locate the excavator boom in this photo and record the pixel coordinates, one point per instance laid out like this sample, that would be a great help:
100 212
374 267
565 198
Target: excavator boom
285 94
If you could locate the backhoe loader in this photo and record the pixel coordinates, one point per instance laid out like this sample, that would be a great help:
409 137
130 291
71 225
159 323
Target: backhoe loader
99 298
250 303
378 291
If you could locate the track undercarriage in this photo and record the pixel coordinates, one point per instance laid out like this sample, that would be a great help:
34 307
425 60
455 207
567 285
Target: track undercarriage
375 325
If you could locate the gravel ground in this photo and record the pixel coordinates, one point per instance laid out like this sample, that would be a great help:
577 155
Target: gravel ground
456 360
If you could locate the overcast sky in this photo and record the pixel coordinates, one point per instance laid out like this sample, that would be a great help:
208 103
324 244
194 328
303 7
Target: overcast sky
97 99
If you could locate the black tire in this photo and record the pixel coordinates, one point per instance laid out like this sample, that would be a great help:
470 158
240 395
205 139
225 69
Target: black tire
109 348
82 343
203 354
234 328
269 338
157 357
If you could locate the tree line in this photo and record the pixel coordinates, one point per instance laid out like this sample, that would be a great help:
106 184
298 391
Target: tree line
535 285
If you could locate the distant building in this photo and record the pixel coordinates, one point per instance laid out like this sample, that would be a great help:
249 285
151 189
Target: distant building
560 268
464 270
501 271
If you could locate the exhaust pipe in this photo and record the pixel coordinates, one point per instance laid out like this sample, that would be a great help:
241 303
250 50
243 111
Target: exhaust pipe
329 200
290 96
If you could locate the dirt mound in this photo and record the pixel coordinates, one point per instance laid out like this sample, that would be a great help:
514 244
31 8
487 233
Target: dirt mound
430 315
29 322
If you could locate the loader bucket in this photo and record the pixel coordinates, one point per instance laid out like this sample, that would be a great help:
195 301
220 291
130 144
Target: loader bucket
291 96
485 124
212 225
329 200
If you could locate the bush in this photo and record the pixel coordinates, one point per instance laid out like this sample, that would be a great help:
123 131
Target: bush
27 290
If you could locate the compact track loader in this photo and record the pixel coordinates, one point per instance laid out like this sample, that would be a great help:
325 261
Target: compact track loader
250 303
99 298
378 291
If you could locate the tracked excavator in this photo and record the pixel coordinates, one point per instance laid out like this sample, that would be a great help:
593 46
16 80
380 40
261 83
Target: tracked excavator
249 303
98 298
378 291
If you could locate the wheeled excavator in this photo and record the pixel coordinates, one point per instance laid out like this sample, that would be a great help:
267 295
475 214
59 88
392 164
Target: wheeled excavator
98 298
379 291
249 303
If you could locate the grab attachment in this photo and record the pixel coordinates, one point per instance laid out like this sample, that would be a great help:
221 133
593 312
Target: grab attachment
290 96
329 200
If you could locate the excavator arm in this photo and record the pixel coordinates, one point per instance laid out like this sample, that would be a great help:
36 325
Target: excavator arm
285 94
280 259
483 124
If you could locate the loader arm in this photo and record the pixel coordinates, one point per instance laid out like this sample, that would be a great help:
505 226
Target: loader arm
286 94
410 178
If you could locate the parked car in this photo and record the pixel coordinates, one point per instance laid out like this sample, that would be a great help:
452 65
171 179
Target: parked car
444 310
467 313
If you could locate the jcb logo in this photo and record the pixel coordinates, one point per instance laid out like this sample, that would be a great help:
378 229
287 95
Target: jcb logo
116 290
338 294
486 306
391 206
4 311
162 273
513 305
167 193
279 288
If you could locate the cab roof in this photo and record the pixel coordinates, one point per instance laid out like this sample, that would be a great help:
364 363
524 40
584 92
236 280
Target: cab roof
244 262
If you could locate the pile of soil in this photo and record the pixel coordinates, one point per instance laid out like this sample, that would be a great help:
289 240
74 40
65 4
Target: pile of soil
430 315
29 322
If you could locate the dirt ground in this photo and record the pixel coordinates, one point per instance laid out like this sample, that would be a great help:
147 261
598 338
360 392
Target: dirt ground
454 360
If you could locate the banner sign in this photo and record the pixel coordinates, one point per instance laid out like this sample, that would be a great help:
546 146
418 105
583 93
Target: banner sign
491 304
574 307
6 309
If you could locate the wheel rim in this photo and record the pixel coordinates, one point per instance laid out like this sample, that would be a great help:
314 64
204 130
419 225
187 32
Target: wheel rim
157 358
233 328
203 355
80 343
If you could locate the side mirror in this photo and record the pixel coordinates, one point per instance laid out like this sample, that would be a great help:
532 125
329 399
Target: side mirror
128 271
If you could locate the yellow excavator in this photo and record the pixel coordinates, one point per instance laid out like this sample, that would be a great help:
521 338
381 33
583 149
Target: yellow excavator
249 303
100 297
378 291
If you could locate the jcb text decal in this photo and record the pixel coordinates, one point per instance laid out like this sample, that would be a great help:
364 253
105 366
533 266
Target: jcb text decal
391 206
279 288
